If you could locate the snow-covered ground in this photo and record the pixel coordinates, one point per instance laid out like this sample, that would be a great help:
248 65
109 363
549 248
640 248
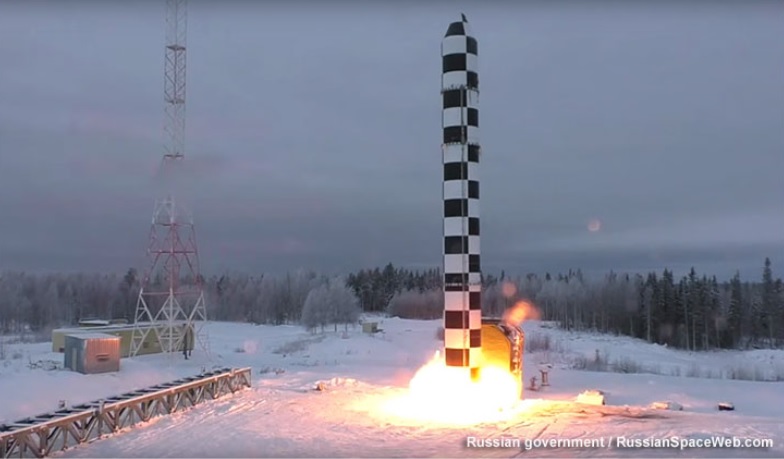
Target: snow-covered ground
361 413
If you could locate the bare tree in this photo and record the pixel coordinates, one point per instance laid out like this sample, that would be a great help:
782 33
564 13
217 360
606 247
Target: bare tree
345 303
330 303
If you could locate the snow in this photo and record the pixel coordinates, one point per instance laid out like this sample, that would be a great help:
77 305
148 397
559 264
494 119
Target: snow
363 376
667 405
591 397
94 322
93 335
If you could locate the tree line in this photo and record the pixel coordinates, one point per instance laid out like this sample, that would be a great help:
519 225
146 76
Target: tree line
694 312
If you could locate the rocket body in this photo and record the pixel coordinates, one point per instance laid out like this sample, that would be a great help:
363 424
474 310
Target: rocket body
461 151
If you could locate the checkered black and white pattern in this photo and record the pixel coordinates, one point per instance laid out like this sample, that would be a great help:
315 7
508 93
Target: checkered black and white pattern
462 273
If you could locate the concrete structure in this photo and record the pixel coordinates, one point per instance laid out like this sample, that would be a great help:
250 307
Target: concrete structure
92 353
461 151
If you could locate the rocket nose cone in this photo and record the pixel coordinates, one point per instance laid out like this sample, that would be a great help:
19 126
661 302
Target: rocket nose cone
458 27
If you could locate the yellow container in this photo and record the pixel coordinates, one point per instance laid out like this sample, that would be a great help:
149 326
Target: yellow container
125 332
502 347
370 327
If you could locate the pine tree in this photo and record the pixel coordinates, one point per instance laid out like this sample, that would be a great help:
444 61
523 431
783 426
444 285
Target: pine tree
736 319
649 302
716 318
693 308
779 289
683 313
769 305
666 303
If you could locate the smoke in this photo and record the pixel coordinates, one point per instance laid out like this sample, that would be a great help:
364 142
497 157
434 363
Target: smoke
190 179
520 312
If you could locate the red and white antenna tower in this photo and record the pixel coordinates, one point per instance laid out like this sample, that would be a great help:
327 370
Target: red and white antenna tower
171 302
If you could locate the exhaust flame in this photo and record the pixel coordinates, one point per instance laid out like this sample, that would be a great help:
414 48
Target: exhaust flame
520 312
442 394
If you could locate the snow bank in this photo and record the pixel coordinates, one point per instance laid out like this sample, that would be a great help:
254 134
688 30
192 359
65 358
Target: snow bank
591 397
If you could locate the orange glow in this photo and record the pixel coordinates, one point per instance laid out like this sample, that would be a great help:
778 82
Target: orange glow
520 312
442 394
508 289
439 394
594 225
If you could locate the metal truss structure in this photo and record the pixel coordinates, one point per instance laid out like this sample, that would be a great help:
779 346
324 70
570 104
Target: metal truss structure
171 297
40 436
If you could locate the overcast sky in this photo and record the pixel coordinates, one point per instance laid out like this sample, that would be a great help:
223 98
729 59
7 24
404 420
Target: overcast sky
314 134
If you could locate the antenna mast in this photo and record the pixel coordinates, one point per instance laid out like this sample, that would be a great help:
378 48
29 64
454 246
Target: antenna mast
171 310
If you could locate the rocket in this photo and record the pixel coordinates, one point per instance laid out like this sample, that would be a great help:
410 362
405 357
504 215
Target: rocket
461 151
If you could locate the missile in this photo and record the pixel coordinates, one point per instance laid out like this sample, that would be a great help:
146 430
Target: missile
461 151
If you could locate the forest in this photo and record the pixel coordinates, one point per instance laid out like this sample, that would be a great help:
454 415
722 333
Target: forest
694 312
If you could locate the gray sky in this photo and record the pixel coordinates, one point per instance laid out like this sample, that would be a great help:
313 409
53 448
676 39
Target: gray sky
314 134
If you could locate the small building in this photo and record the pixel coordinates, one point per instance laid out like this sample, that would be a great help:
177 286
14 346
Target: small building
370 327
92 353
150 344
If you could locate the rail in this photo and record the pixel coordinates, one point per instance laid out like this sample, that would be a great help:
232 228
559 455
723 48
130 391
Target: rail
40 436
